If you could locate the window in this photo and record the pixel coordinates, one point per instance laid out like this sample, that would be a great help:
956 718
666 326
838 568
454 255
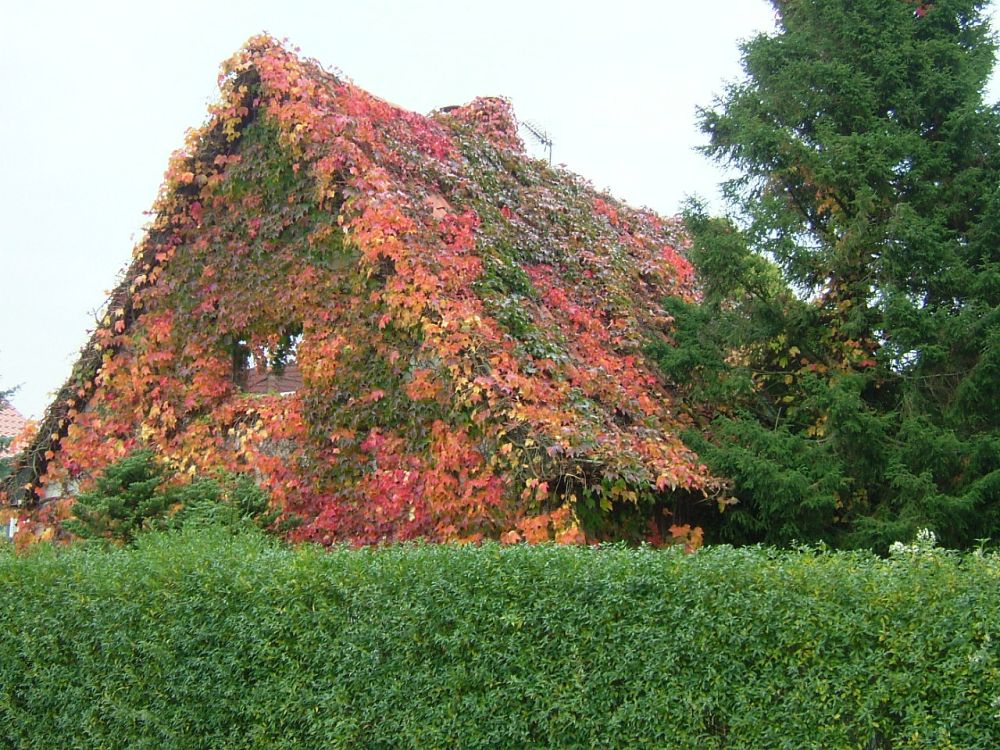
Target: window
268 368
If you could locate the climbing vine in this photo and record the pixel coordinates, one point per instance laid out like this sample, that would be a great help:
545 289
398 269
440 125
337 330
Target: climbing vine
469 325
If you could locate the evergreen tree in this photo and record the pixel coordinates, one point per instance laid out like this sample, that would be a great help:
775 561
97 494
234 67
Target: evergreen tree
137 494
849 335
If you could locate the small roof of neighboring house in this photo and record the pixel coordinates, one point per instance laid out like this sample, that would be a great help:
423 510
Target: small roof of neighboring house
263 380
12 422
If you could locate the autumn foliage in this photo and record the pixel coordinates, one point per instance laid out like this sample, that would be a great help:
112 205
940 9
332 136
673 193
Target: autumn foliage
468 322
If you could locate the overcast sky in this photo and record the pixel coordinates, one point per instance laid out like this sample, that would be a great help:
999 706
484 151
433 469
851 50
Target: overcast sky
97 95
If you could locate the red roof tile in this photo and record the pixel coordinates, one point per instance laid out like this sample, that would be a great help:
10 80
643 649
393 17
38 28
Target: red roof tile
11 424
11 421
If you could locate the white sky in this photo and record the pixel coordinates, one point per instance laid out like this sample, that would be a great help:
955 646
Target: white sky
96 95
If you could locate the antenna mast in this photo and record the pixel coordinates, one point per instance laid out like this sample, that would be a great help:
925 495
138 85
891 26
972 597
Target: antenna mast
540 135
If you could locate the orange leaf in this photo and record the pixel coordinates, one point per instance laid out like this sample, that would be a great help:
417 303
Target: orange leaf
572 535
511 537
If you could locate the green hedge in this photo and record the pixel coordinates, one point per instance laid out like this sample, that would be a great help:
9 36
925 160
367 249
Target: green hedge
206 639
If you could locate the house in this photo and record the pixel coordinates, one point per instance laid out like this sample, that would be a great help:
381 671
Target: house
445 335
12 429
12 425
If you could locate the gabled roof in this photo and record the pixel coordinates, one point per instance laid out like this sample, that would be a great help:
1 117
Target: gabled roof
263 380
473 321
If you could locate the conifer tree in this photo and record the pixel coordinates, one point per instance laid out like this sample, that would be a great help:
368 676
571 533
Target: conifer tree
849 335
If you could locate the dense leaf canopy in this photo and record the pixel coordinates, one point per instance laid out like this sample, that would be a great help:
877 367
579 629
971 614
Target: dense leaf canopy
850 326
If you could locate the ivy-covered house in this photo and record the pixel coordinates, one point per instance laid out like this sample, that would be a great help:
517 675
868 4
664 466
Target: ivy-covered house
402 325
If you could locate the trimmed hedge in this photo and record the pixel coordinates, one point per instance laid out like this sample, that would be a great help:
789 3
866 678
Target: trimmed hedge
206 639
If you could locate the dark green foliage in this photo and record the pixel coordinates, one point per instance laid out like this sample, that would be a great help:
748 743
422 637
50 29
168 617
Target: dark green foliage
5 466
135 494
205 639
125 499
847 341
231 501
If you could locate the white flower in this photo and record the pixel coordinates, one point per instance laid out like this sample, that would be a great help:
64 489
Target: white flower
925 542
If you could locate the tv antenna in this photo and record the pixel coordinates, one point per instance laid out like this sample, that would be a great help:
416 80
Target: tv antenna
540 135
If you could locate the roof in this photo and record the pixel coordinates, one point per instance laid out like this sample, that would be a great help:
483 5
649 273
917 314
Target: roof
260 380
473 321
12 424
11 420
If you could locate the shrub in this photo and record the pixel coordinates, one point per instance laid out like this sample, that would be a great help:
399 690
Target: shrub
207 639
135 494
